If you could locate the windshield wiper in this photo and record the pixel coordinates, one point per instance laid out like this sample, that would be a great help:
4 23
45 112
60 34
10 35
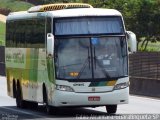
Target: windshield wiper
83 68
86 62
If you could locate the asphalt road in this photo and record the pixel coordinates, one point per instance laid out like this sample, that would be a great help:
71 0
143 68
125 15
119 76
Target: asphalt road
141 108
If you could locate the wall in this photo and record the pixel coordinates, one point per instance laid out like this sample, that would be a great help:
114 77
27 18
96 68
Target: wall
145 73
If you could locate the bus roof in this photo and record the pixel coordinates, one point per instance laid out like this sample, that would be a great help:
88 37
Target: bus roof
78 12
85 12
58 6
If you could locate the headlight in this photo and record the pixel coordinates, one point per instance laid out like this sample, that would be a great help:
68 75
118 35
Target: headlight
64 88
121 85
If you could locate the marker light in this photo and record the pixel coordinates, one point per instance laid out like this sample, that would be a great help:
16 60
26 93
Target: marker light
59 6
74 74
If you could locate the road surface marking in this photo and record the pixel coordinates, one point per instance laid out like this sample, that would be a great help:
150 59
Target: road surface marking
24 112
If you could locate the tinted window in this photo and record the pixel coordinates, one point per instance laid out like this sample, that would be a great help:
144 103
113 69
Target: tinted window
92 25
26 33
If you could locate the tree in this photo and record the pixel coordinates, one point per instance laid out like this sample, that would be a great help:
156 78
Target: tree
148 18
141 16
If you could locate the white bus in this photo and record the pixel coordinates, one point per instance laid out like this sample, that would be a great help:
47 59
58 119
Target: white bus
68 55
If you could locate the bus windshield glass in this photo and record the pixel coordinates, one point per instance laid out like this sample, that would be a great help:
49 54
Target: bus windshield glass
89 25
90 58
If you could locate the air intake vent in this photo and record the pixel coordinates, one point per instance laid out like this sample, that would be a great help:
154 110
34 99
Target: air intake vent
52 7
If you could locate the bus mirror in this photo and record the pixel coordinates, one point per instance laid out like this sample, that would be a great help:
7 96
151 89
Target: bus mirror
50 44
132 41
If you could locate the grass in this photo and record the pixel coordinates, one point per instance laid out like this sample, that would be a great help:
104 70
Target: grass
15 5
2 33
152 46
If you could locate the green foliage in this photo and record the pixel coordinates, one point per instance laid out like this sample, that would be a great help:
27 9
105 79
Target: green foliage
152 47
56 1
2 33
140 16
14 5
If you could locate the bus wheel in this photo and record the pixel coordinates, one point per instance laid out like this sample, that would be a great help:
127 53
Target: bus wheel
19 101
111 109
14 89
32 105
50 109
45 100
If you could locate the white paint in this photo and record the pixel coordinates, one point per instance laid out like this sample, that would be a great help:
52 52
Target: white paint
66 13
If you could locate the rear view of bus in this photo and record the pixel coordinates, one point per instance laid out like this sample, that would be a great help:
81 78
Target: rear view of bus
86 58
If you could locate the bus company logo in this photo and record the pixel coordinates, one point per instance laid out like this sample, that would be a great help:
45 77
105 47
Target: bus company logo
78 84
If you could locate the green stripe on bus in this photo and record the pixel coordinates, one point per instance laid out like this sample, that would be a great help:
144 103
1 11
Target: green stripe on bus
103 83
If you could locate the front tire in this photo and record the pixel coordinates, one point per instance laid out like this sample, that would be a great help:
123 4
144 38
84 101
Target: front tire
111 109
52 110
49 109
32 105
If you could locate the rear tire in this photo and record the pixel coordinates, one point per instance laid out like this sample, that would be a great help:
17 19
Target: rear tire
19 101
111 109
14 89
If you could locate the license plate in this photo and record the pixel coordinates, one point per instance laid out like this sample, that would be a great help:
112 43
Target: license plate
93 98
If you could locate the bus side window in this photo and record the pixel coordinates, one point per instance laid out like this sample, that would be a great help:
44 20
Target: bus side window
28 32
9 40
19 34
34 33
48 25
14 33
40 29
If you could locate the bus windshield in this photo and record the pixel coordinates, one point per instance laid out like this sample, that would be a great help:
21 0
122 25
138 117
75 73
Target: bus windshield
89 25
90 58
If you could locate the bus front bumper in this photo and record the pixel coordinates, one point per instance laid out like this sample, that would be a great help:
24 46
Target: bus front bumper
63 98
